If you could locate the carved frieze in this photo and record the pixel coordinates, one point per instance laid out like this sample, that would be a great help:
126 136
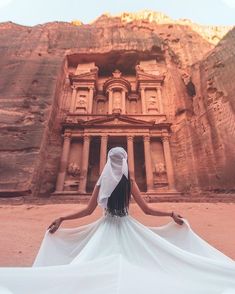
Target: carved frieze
73 169
152 101
160 169
81 101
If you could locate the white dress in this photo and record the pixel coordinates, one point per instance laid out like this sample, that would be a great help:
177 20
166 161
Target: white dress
119 255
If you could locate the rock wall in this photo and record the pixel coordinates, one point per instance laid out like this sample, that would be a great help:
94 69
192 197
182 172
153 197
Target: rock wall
214 121
33 76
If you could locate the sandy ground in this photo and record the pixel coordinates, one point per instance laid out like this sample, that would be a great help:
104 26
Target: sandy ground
22 227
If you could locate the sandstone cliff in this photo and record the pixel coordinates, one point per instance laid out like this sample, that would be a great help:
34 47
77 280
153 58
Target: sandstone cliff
199 66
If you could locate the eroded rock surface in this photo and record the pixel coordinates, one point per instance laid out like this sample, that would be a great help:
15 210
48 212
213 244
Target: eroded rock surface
198 63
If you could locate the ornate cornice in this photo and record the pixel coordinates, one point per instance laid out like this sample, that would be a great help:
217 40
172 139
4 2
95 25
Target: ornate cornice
114 121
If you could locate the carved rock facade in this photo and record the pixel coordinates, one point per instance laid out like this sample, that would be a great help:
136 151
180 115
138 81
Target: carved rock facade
69 93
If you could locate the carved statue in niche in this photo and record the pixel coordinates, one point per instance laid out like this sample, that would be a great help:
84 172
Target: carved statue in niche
117 101
152 100
81 102
133 106
160 169
100 106
100 103
73 169
152 103
132 98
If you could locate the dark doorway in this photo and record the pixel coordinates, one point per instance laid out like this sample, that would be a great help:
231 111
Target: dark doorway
140 175
93 164
117 142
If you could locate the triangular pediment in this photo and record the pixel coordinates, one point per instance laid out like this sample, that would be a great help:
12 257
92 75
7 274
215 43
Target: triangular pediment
89 76
117 120
86 75
149 77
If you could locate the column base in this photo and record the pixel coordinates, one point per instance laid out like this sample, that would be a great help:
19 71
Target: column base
172 189
151 191
82 192
58 191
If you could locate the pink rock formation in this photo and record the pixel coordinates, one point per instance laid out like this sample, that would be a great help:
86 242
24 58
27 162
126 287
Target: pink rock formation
198 91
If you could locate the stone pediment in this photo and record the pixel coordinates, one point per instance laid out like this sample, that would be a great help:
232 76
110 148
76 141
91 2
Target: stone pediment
117 120
84 77
142 76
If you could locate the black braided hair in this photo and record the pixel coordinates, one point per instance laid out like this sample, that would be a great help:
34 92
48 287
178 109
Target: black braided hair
119 200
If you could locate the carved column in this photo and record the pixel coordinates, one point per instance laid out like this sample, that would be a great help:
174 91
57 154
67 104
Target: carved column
168 161
110 101
90 100
130 151
103 151
123 102
148 163
159 95
63 162
73 100
143 102
85 158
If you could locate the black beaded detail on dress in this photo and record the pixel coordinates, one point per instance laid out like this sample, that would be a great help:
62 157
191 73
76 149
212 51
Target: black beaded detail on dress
116 212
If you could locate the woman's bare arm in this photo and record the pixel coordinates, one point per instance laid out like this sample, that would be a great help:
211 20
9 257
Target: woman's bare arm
141 202
84 212
148 210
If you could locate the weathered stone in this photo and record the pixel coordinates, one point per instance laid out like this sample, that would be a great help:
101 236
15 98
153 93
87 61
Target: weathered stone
35 95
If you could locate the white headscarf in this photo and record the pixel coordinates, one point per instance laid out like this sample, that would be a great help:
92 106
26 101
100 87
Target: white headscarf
115 167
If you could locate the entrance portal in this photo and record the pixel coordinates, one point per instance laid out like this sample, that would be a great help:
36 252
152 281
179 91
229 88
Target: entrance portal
94 164
140 175
117 142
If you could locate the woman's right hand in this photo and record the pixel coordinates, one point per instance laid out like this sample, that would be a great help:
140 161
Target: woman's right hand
177 218
55 225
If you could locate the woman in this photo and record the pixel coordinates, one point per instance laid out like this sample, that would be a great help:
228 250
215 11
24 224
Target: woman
120 196
117 254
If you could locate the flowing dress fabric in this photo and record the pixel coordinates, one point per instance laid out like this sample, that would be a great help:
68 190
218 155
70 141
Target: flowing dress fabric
119 255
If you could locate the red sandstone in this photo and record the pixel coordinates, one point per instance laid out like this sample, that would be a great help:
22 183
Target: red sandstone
173 103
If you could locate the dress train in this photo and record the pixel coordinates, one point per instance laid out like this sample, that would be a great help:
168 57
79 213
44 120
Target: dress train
116 254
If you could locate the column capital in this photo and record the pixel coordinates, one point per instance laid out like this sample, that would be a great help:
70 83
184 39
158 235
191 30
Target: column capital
104 137
67 136
86 137
165 139
130 137
146 138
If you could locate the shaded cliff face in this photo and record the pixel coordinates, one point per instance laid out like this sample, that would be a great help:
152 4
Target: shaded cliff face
32 77
214 122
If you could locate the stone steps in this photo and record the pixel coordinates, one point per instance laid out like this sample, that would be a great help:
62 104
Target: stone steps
62 198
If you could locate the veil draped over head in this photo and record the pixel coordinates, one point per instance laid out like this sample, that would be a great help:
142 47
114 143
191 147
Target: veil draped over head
115 167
